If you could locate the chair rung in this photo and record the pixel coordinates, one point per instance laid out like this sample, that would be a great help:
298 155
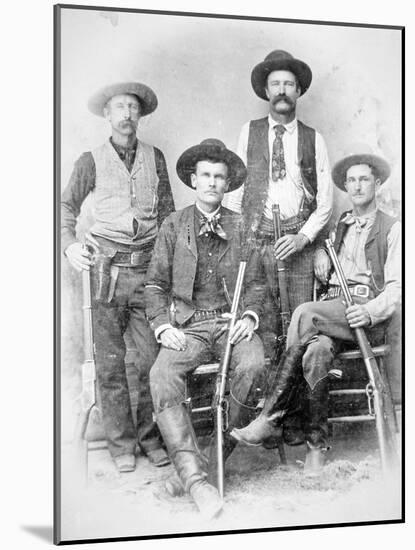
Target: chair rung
378 351
347 392
212 368
201 409
357 418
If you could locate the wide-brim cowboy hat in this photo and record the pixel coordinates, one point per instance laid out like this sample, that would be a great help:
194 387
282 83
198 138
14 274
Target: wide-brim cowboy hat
145 95
279 60
359 154
213 150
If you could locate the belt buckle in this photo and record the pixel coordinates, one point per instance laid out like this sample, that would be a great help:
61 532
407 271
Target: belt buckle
135 257
362 291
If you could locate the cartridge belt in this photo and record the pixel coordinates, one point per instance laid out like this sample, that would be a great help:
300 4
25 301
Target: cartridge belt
207 314
363 291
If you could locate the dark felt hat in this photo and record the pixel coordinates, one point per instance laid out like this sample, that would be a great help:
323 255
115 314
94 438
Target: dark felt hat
359 154
279 60
144 94
216 151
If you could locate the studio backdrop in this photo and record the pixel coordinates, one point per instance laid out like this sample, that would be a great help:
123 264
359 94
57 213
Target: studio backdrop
200 68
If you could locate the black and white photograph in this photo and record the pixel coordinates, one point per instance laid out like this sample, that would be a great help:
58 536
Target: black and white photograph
228 212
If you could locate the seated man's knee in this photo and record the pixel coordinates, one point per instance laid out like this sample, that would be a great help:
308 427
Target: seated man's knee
301 312
250 357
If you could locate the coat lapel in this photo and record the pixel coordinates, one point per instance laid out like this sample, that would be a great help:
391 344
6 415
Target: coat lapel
189 227
228 226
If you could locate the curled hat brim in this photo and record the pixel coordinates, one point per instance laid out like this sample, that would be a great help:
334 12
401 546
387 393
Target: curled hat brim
261 71
187 163
339 170
145 95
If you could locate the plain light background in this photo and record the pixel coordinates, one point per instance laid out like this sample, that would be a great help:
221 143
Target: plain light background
28 280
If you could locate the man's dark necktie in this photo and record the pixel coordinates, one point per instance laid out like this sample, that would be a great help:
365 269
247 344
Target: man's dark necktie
212 226
278 161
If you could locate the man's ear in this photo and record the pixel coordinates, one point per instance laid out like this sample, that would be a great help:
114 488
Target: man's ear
266 92
193 180
227 184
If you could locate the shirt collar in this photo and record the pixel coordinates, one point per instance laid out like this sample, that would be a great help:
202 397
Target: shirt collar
207 215
290 127
121 148
369 217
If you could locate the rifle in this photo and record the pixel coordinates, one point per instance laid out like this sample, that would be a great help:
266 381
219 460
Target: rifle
376 388
219 404
285 315
88 393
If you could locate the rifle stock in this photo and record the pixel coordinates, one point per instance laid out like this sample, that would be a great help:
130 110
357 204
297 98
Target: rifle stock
382 402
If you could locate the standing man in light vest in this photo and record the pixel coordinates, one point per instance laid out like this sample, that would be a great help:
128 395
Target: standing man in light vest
287 165
131 196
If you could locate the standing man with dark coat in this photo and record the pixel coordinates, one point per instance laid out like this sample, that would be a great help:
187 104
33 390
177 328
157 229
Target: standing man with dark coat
287 165
194 266
369 250
131 196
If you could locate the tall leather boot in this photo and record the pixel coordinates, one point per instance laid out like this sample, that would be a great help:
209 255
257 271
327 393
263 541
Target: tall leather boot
316 428
278 399
176 428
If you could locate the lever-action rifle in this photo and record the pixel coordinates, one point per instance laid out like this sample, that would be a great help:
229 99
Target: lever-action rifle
88 393
382 402
219 404
285 315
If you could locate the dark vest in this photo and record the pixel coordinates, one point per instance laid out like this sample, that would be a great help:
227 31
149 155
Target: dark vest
376 246
256 185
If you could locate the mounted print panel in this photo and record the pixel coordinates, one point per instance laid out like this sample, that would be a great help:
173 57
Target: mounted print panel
228 203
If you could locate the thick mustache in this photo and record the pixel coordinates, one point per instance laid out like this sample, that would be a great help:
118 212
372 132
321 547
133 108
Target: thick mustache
282 98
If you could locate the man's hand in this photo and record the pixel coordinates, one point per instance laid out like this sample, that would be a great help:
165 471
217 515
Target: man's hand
244 328
322 265
79 257
288 245
357 316
173 338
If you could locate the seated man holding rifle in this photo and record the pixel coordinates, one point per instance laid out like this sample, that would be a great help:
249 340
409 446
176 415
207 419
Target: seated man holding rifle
194 274
368 245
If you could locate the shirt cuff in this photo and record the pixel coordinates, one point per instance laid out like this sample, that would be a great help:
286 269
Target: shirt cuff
253 315
307 235
161 329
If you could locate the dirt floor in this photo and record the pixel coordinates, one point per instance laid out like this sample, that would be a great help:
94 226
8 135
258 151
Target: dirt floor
259 492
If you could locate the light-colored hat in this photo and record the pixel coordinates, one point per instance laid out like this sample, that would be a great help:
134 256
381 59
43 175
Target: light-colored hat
144 94
359 154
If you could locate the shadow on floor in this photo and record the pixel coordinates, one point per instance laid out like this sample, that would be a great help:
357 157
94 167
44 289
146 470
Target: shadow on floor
44 532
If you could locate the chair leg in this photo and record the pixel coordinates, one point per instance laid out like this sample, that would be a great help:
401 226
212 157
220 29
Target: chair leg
281 451
384 374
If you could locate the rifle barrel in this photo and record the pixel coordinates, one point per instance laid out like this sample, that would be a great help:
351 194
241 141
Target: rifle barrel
381 399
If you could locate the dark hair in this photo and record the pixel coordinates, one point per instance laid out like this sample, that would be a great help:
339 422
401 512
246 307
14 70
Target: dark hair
375 171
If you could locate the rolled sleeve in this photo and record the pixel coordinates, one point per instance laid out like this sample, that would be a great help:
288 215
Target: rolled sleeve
324 197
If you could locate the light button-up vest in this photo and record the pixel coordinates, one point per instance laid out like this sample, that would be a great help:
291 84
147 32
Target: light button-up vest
124 203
